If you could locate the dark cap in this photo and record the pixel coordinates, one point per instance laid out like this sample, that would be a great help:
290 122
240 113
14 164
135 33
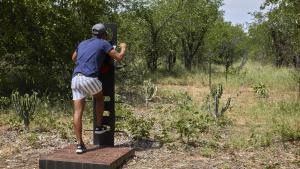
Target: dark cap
99 29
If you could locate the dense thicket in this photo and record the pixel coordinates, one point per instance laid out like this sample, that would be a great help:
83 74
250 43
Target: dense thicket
38 37
276 33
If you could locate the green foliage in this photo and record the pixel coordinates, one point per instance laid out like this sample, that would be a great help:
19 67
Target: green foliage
281 123
226 44
258 139
261 90
65 128
25 106
32 139
5 102
286 125
180 119
209 148
32 45
276 33
45 121
196 19
14 121
287 132
140 127
170 32
161 35
164 136
175 97
190 127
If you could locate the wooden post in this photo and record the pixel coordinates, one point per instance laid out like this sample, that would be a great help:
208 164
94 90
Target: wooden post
107 77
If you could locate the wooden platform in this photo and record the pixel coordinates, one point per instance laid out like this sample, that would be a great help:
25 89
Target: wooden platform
94 158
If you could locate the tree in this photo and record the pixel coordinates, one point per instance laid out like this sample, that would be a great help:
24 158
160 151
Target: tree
195 20
37 38
157 17
282 25
226 44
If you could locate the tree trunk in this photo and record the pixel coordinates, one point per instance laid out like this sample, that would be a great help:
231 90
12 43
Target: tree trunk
26 122
226 71
278 48
299 87
243 62
171 60
188 62
152 60
297 64
210 72
216 105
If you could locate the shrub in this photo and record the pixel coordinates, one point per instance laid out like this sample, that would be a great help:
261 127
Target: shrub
189 127
140 127
260 89
260 139
164 135
14 121
286 125
287 132
5 102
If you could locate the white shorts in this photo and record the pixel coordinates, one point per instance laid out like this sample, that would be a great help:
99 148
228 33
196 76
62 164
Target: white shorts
83 86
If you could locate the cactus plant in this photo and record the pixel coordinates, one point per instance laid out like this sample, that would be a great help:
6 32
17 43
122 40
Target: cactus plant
24 106
149 90
213 100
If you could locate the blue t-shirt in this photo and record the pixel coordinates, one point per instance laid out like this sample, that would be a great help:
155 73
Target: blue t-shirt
90 56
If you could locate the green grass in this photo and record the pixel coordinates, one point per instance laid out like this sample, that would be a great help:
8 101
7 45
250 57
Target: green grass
267 119
268 123
176 116
277 79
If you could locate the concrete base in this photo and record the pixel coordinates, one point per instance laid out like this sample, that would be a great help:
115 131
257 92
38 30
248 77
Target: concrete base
94 158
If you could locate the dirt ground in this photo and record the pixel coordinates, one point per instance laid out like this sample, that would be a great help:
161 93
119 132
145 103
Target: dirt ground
280 155
147 157
15 153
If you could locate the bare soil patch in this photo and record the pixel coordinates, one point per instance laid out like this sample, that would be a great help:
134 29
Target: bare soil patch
16 152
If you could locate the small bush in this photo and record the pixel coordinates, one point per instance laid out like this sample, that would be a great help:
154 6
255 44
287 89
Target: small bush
260 139
14 121
261 90
5 102
32 139
207 152
170 97
164 135
45 121
48 121
287 132
190 127
140 127
286 123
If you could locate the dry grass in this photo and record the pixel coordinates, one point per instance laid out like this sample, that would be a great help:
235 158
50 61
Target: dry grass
254 140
